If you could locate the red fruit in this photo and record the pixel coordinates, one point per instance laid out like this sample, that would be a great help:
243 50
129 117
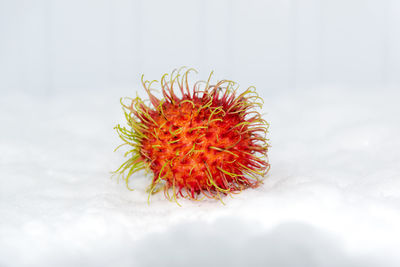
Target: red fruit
206 141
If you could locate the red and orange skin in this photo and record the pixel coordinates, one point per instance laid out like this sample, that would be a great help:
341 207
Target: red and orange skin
208 141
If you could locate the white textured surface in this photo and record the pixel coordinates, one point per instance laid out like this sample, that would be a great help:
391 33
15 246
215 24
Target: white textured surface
332 197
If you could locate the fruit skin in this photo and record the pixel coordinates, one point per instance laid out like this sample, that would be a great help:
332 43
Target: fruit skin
208 141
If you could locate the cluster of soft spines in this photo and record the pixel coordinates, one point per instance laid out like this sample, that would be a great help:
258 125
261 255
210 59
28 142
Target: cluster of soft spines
206 142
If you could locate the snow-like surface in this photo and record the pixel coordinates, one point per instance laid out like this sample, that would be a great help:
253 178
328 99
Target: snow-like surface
332 197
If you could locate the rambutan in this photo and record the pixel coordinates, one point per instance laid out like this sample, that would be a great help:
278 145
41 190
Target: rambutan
206 141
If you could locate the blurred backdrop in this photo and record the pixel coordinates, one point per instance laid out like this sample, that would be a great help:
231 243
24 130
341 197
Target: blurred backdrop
55 45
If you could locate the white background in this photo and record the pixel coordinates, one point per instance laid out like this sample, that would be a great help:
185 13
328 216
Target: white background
52 45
